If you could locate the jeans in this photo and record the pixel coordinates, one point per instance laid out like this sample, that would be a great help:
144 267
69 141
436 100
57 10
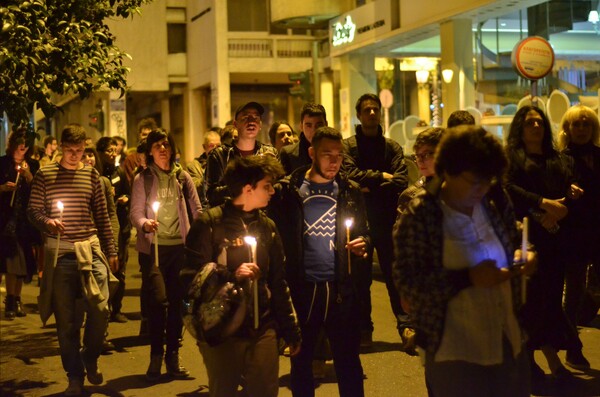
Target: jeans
256 359
67 303
340 321
163 297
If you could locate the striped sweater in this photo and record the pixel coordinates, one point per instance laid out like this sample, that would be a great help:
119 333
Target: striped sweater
85 213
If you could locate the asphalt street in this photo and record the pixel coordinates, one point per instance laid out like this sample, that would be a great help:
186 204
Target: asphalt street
30 362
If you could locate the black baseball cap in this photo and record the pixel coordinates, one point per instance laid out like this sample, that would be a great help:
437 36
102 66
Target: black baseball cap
250 105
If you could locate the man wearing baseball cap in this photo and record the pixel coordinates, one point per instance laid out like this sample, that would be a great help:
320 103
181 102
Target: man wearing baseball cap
248 123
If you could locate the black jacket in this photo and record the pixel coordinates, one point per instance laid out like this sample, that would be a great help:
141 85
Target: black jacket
221 228
365 161
287 211
216 191
295 156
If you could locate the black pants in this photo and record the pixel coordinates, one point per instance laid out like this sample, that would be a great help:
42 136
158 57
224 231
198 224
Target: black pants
116 299
318 306
163 296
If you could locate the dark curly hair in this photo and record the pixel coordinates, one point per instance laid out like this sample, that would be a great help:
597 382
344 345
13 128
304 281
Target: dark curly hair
249 171
470 149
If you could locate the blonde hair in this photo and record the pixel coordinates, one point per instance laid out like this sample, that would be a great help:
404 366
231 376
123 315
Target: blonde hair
573 114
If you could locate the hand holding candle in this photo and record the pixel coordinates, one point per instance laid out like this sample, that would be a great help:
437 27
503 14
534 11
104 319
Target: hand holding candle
12 199
155 207
349 223
251 241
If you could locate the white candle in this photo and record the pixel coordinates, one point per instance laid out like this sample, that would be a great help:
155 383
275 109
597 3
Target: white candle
524 242
12 199
349 223
251 241
155 206
61 207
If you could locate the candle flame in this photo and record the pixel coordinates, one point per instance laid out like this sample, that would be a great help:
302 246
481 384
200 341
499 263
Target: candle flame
349 222
155 206
250 240
18 167
60 206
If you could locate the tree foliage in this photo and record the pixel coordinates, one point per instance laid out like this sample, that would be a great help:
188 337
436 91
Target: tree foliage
61 47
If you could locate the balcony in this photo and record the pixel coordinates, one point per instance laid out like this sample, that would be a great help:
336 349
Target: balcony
269 47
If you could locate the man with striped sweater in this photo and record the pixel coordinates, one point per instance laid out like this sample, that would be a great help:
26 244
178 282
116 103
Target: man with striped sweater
77 239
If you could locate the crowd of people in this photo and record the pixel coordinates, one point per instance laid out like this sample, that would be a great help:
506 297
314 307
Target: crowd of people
254 247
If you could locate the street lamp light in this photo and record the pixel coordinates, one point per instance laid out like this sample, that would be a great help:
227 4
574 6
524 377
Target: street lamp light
422 76
447 75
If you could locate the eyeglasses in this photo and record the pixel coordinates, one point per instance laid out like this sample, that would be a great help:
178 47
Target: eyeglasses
424 156
249 118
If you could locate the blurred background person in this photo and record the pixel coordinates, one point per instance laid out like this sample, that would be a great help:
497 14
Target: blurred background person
196 167
107 152
50 150
454 246
18 237
281 134
539 182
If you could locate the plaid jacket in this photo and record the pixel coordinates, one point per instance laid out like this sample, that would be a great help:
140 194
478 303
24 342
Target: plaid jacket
418 271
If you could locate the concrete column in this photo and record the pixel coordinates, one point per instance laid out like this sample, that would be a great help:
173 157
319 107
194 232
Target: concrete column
220 82
456 38
193 121
424 100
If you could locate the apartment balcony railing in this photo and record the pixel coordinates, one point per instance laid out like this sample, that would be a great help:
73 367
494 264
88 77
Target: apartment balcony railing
271 47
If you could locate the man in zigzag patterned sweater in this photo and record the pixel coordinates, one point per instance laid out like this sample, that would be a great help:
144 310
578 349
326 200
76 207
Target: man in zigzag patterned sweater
310 210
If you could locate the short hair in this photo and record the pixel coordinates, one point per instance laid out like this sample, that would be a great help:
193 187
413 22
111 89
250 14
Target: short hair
119 138
210 133
311 109
228 132
515 133
15 138
147 123
73 134
366 97
156 136
103 143
48 139
250 170
325 132
273 130
429 137
460 117
98 164
573 114
470 149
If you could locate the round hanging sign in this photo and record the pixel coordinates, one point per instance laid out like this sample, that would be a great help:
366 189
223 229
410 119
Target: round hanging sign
533 57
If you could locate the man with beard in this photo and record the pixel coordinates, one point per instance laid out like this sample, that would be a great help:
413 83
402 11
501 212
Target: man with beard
311 211
248 123
107 150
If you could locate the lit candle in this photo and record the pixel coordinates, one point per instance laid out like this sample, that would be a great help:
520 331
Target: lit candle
251 241
12 199
349 223
524 242
155 206
61 207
